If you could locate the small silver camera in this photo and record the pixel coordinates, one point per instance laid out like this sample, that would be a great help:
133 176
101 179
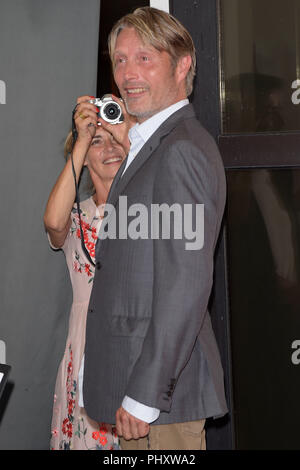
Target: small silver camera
109 110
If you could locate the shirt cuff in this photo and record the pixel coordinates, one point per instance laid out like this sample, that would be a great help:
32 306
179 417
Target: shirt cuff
140 411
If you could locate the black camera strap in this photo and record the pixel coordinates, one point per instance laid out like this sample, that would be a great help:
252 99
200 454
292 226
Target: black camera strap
75 135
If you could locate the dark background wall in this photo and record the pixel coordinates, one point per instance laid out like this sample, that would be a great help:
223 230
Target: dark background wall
48 57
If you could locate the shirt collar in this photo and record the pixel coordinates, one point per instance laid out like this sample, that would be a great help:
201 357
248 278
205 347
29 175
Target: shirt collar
145 130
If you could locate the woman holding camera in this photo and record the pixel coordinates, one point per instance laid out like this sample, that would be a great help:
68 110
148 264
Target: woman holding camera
102 152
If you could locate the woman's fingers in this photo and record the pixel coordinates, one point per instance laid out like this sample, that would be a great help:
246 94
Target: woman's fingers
86 121
83 107
84 98
84 114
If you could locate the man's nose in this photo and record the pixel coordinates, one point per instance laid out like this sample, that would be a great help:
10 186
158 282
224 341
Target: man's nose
130 70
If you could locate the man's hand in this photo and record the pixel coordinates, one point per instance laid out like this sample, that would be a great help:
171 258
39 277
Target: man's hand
130 427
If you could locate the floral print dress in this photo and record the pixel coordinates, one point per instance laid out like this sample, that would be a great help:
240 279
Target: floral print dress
71 428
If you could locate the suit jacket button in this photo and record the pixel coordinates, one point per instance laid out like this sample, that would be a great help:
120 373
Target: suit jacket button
98 265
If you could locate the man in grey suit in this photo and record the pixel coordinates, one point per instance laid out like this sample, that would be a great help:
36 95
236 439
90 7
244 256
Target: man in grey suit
151 355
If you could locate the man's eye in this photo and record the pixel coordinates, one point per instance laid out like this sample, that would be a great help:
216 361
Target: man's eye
145 58
120 60
96 142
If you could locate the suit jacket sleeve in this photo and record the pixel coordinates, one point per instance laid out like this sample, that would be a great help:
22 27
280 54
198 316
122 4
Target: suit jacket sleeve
182 278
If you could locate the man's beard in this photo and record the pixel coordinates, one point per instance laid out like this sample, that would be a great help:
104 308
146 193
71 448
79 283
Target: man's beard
141 115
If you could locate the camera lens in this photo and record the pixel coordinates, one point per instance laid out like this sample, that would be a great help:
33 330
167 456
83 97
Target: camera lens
112 111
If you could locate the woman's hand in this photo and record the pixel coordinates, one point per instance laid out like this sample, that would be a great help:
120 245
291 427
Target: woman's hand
61 199
86 119
120 131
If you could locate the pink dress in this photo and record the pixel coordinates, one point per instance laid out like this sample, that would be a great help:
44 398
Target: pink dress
71 427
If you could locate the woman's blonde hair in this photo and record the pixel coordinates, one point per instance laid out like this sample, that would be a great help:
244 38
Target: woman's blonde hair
162 31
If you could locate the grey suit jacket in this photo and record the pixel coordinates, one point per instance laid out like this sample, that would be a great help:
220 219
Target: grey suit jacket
149 334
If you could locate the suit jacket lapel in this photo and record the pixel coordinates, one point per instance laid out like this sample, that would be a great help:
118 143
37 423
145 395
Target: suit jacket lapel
137 162
120 183
116 180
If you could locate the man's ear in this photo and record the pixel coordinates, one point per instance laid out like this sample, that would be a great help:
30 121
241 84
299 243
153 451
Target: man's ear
183 66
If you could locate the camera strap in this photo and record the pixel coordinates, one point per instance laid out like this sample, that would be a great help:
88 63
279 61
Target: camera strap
75 134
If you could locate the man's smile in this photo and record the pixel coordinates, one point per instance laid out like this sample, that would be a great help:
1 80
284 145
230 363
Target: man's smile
131 91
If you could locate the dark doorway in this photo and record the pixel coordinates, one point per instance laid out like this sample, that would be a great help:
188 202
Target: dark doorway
110 13
259 142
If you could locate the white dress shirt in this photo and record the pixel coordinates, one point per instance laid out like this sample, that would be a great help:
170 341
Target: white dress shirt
138 136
